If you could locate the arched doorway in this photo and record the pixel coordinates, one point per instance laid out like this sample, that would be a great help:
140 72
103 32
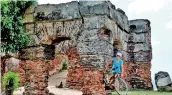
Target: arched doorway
57 73
116 47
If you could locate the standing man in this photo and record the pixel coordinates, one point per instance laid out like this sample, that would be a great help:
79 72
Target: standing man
116 67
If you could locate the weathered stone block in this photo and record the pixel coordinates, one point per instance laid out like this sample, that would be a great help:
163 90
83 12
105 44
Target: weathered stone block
142 56
124 46
140 37
46 52
88 35
49 32
56 12
120 17
29 29
95 47
93 7
32 53
111 24
11 64
123 19
28 18
94 22
33 40
95 60
72 28
46 33
125 36
30 10
142 25
142 46
162 79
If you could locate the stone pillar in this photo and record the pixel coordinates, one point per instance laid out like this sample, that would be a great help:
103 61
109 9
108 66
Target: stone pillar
36 77
139 49
35 66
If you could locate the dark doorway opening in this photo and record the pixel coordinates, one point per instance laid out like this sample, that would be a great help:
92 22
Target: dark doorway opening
116 47
60 39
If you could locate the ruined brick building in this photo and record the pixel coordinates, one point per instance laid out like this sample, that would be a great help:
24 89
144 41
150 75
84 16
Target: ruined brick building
74 29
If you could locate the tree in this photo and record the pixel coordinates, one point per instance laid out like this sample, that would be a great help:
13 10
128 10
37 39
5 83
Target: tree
13 36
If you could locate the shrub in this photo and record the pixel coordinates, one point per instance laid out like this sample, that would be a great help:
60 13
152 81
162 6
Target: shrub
13 36
10 81
64 66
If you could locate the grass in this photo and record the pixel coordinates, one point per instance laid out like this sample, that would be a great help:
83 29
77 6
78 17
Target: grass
145 93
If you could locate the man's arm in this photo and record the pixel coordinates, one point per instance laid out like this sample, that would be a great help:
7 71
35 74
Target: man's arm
122 70
108 63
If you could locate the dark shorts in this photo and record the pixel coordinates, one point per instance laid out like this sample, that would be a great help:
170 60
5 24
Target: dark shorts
113 72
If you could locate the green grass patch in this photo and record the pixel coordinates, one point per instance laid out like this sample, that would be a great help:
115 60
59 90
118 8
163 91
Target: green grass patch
145 93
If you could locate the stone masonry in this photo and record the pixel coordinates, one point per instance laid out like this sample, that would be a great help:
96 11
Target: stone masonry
55 29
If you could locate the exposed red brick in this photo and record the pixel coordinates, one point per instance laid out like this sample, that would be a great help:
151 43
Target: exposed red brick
36 76
83 77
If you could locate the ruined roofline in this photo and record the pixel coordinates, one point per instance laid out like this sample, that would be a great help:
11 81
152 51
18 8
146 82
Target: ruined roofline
57 4
121 11
75 10
135 20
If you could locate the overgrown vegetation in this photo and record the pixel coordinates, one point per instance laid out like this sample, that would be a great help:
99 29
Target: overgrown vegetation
64 66
12 30
10 81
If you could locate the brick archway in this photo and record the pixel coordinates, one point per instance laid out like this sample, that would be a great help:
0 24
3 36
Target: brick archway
35 67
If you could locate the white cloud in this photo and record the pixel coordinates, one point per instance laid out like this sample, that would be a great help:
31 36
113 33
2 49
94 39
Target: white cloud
143 6
169 25
170 16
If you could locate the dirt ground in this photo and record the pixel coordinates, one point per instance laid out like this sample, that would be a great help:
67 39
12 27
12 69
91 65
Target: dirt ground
54 81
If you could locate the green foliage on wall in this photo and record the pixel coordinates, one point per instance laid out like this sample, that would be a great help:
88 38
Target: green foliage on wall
12 30
13 77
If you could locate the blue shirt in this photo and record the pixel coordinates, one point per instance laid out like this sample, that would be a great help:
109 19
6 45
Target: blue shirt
117 65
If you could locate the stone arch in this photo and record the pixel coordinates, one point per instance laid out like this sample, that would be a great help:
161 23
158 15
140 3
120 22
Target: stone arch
56 63
60 39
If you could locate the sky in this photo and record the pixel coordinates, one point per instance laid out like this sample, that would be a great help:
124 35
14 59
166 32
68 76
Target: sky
159 12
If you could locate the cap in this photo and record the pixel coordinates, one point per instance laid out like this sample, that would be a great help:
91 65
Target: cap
119 54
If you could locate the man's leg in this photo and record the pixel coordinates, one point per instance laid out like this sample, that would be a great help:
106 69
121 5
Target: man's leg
112 80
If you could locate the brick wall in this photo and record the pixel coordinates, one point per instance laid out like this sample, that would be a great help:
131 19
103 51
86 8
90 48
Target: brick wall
84 77
35 77
138 75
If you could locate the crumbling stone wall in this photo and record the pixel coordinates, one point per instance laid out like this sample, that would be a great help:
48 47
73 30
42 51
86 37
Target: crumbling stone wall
140 55
53 29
